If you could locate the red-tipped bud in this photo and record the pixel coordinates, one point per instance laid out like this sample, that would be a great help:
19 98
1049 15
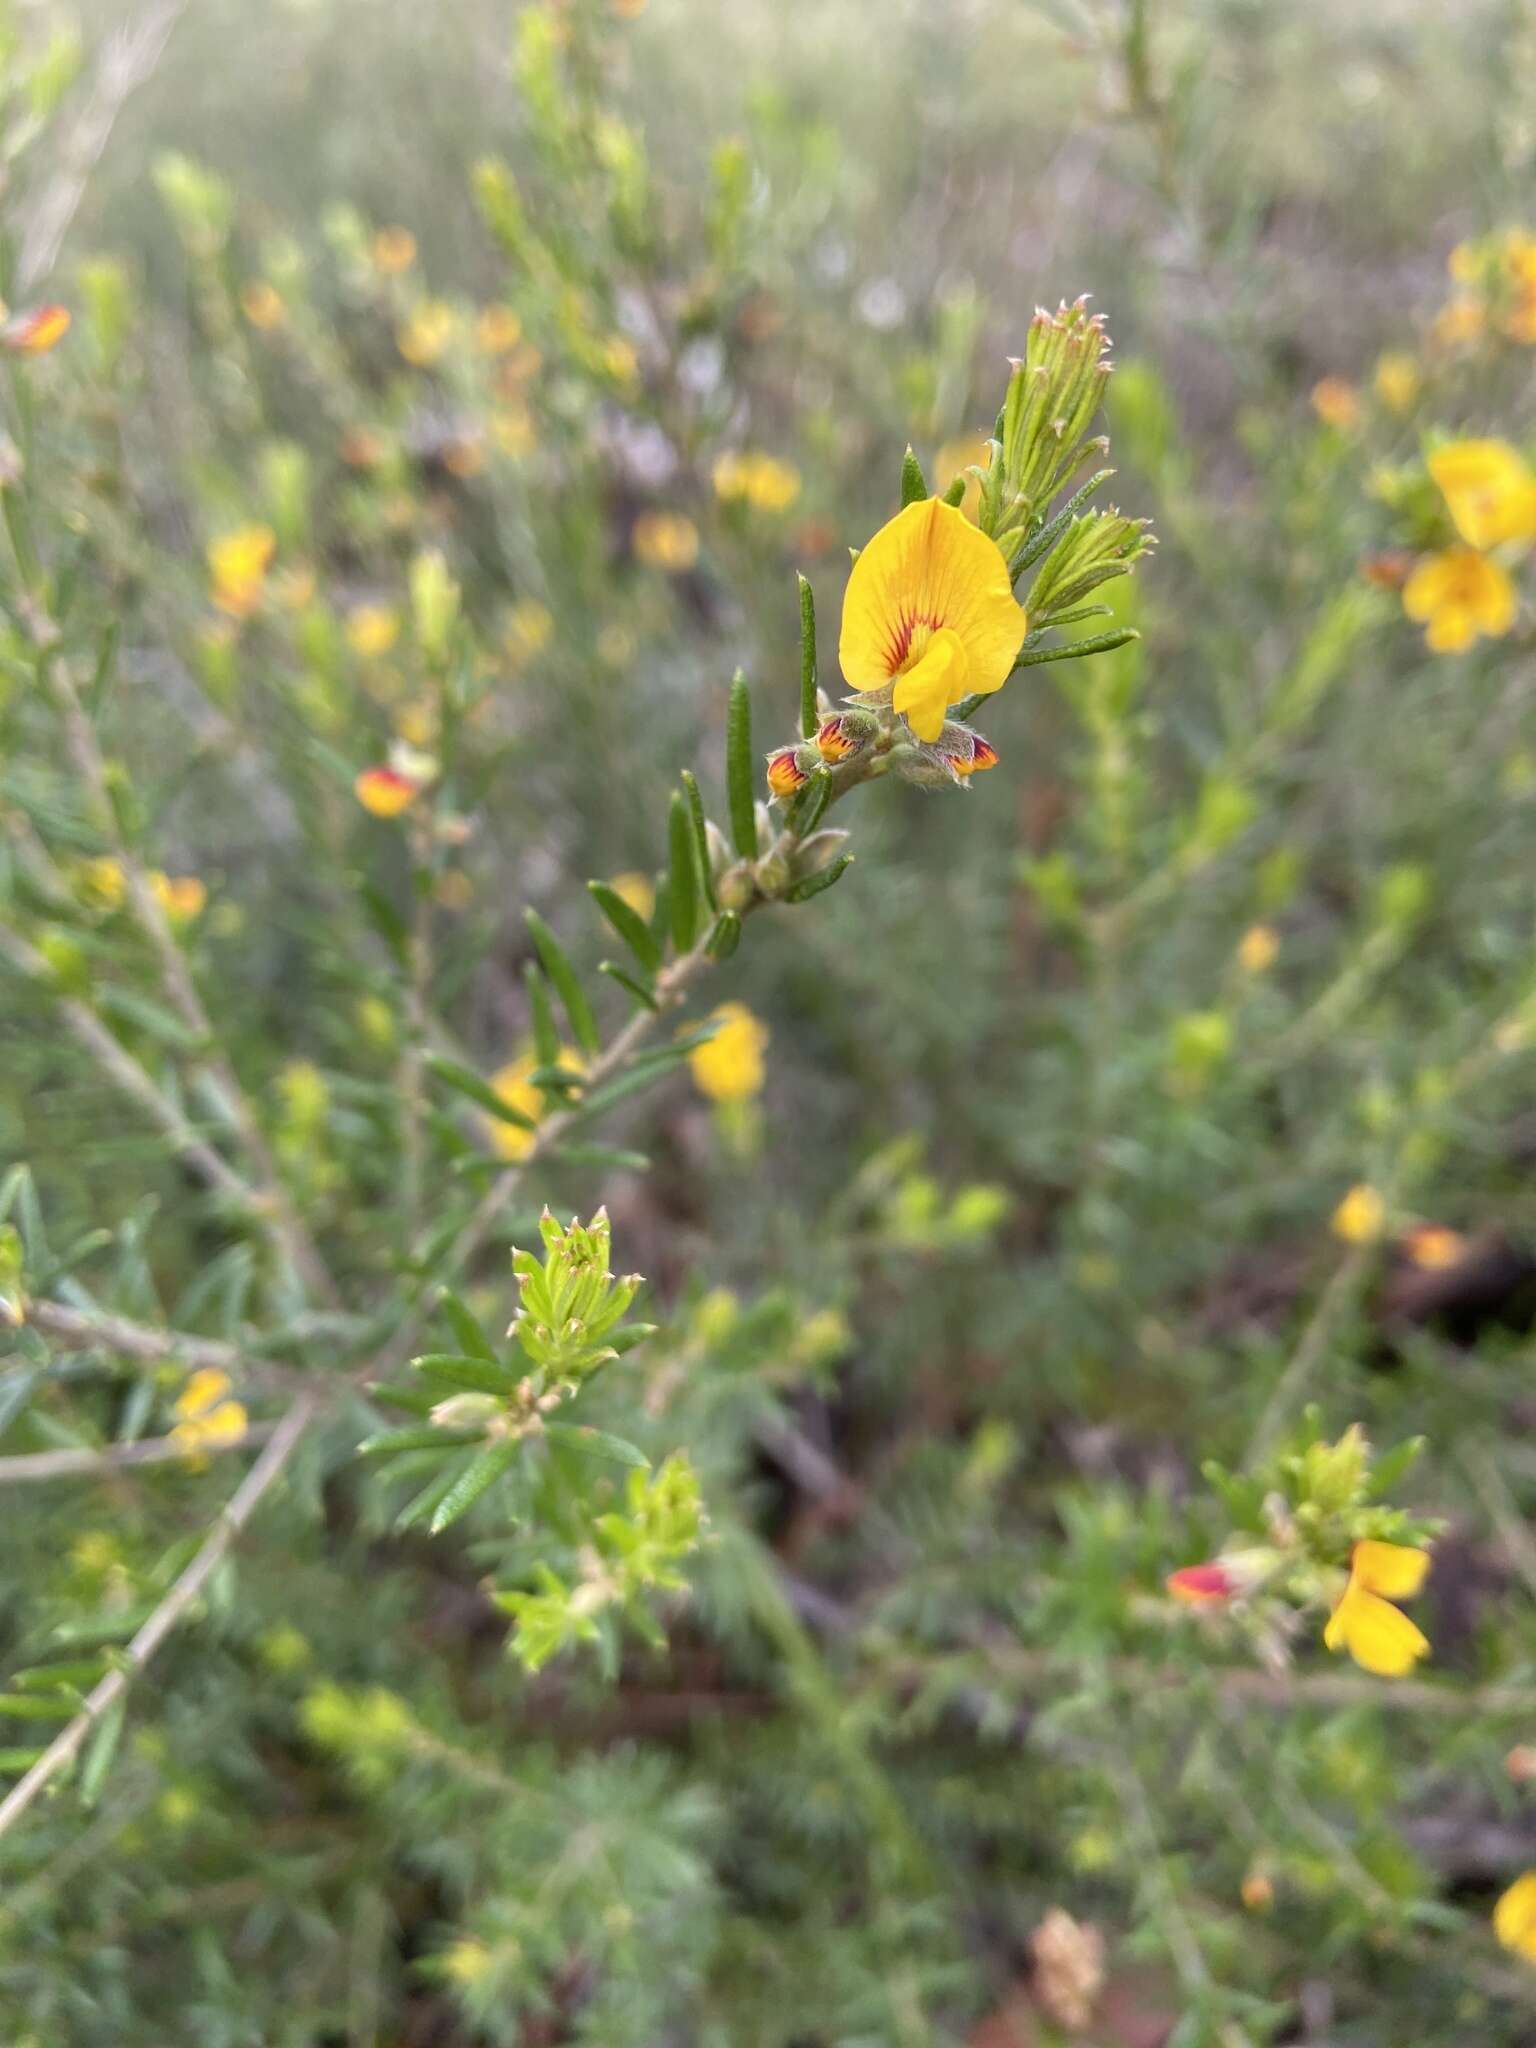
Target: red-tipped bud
843 735
786 771
983 755
1202 1584
385 792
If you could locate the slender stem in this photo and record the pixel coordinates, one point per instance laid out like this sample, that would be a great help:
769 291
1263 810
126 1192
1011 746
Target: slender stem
74 1329
29 1466
242 1504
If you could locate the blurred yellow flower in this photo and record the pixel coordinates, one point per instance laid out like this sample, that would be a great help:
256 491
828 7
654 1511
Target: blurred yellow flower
1379 1636
181 897
1514 1917
1359 1217
930 608
426 335
35 332
385 792
416 722
497 329
1433 1247
1457 595
394 250
620 360
205 1418
665 540
1397 381
237 567
530 628
513 431
637 890
729 1066
101 881
1490 491
1336 403
262 303
1458 322
761 481
1258 949
466 1961
952 460
514 1084
372 629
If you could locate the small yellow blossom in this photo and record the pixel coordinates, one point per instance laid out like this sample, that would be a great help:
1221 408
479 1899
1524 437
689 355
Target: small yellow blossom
425 337
665 540
786 772
637 890
1490 491
1433 1247
620 360
729 1066
1457 595
466 1962
181 897
1359 1217
1258 949
530 628
1458 323
262 303
36 332
1514 1917
758 480
1397 381
1336 403
394 250
1258 1889
930 609
514 1084
101 881
1379 1636
513 431
237 567
385 792
372 629
206 1419
497 329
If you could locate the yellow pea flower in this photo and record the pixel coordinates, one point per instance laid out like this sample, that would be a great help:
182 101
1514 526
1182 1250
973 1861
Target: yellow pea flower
206 1419
761 481
1490 491
36 332
1459 322
262 303
1397 381
394 250
665 540
1514 1917
237 568
637 890
181 897
101 881
372 629
930 610
496 330
729 1066
1258 949
1336 403
513 1083
385 792
425 337
1379 1636
1359 1217
1457 595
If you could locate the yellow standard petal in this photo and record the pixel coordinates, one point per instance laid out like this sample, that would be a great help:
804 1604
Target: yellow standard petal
1488 489
1514 1917
929 589
1379 1636
203 1391
1395 1570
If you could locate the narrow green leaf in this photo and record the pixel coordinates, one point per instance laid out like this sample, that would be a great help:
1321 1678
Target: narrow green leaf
472 1375
1053 529
466 1326
409 1400
18 1760
956 492
642 995
630 926
804 814
700 836
597 1443
425 1436
1096 643
810 716
725 936
102 1749
124 1006
606 1158
82 1671
23 1706
464 1081
914 486
477 1479
541 1018
560 971
740 768
685 888
813 885
631 1335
